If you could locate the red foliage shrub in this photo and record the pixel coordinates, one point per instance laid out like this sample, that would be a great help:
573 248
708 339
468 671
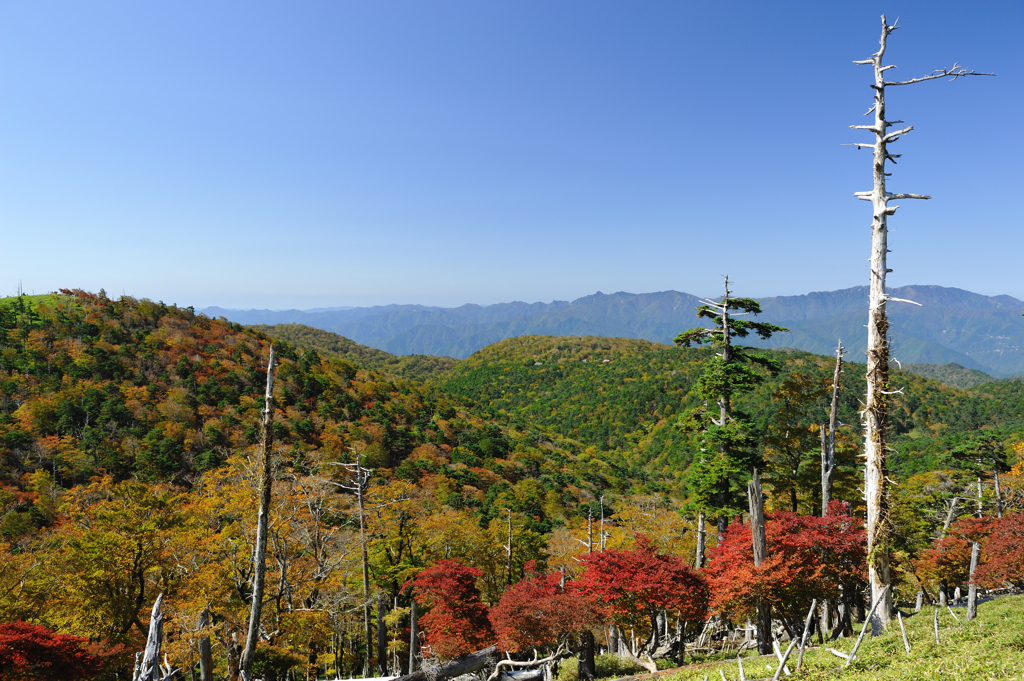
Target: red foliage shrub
808 557
538 612
34 652
457 621
632 585
1003 552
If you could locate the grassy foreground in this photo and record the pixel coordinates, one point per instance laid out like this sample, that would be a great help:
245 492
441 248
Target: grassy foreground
990 647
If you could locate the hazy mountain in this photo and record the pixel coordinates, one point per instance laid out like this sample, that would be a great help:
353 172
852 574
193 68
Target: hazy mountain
984 333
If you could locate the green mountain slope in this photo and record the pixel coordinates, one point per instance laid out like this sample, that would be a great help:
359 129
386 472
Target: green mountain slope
413 367
626 395
950 374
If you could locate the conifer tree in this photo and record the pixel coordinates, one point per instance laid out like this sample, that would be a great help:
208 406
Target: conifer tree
717 478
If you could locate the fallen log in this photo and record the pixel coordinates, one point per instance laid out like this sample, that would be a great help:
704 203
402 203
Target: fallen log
466 664
559 654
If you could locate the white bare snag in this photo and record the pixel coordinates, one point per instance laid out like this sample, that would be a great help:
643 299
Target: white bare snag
876 405
266 482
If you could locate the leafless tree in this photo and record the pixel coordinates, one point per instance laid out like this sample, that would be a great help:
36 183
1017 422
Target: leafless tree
876 407
266 483
828 437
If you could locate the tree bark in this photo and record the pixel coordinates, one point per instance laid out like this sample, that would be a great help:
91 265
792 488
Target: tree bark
648 663
702 537
755 498
382 635
150 668
828 437
508 549
360 489
205 655
876 407
586 670
262 526
413 637
972 587
999 493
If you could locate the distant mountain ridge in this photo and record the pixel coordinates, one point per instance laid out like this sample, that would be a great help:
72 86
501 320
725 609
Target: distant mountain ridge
984 333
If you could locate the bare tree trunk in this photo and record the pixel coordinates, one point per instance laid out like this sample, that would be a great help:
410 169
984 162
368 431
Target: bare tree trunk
760 546
702 537
150 668
232 651
999 493
950 514
613 640
590 530
972 587
413 637
205 655
828 437
360 490
876 407
681 638
382 636
508 551
266 482
586 670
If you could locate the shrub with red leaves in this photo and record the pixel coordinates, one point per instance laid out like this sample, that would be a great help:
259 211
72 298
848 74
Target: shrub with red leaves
538 613
631 586
457 621
1002 552
29 651
808 557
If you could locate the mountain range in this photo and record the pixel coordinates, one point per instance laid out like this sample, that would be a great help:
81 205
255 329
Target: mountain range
983 333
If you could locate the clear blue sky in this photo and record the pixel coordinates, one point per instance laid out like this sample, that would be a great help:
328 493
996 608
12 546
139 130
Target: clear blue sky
351 153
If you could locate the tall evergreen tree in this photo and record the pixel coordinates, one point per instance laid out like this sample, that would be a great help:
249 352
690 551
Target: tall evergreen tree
717 477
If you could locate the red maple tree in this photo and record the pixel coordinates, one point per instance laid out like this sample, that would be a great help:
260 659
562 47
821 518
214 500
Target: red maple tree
30 651
808 557
539 613
456 623
1003 552
631 586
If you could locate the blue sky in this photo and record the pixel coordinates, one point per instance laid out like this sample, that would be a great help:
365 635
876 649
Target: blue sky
342 153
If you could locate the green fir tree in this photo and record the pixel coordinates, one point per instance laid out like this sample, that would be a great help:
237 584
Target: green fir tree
718 475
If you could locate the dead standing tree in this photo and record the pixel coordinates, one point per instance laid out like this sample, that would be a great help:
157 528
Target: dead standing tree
876 407
828 437
359 485
266 483
755 498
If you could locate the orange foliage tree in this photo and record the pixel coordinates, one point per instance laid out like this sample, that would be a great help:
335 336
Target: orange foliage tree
808 557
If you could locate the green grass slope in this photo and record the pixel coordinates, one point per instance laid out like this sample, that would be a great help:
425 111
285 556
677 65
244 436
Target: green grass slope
990 647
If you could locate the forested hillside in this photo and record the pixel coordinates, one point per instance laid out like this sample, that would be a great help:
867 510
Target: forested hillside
129 431
414 367
129 425
626 395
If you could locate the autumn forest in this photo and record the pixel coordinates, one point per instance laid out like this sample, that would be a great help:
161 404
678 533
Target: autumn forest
546 496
